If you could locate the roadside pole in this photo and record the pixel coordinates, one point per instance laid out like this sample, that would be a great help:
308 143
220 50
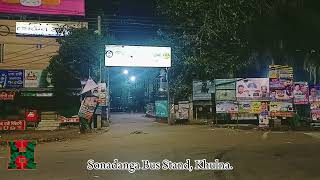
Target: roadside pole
99 121
168 94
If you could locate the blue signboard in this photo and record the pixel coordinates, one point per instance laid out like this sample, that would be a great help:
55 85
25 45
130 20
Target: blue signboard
11 78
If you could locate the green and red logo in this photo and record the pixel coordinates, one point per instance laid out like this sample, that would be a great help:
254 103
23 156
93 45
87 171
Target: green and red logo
22 155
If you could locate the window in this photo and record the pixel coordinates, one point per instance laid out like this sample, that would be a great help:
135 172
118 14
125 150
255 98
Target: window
1 53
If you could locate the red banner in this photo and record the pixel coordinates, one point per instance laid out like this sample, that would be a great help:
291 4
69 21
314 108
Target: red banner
31 115
282 114
12 125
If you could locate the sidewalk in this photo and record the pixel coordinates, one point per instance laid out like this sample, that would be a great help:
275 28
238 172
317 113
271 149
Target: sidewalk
48 136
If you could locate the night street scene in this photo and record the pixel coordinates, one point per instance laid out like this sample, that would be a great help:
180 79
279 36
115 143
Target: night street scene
159 89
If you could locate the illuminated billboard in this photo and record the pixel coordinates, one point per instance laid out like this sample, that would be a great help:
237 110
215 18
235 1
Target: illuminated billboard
137 56
54 29
65 7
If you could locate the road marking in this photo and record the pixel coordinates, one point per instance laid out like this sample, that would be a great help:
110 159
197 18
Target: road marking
265 135
314 135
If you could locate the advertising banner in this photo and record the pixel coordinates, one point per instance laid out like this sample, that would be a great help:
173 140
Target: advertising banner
50 29
226 107
12 125
225 95
283 109
32 78
7 96
301 93
225 84
137 56
281 83
183 110
280 72
202 90
162 108
73 119
264 119
11 78
314 93
63 7
253 107
88 107
281 95
315 110
253 89
101 93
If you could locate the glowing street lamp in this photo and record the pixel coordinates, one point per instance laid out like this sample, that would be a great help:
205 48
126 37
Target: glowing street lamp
132 78
126 72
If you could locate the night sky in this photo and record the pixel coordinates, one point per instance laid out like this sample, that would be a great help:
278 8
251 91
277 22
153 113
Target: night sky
132 12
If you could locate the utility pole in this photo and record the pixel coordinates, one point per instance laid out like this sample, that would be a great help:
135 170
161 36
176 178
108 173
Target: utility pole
99 33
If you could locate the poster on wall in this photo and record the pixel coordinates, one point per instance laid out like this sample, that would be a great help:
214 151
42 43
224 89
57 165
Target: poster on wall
225 84
227 107
183 110
281 95
88 107
161 107
314 93
202 90
301 93
101 93
252 89
315 110
11 78
281 83
7 95
63 7
225 95
253 107
264 119
282 109
32 78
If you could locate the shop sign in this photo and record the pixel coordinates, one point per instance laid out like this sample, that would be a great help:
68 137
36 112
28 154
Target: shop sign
73 119
12 125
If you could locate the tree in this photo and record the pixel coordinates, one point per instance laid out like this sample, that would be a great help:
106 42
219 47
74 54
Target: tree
78 58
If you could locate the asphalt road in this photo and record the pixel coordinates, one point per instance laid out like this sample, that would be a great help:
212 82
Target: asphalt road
253 154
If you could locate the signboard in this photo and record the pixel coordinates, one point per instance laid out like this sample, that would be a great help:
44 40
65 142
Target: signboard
101 93
301 93
202 90
264 119
253 107
12 125
183 110
63 7
315 110
31 115
225 84
11 78
314 93
73 119
137 56
227 107
32 78
280 72
161 108
225 95
253 89
281 107
281 95
7 96
88 107
52 29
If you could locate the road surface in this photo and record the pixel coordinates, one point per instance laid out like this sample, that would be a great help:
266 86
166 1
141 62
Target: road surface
132 137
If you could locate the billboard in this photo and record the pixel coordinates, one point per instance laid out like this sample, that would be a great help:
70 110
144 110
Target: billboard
315 110
63 7
301 93
161 107
52 29
225 95
225 84
11 78
227 107
202 90
314 93
137 56
252 89
253 107
281 95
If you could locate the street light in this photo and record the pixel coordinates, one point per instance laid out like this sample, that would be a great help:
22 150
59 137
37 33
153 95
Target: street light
132 78
126 72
